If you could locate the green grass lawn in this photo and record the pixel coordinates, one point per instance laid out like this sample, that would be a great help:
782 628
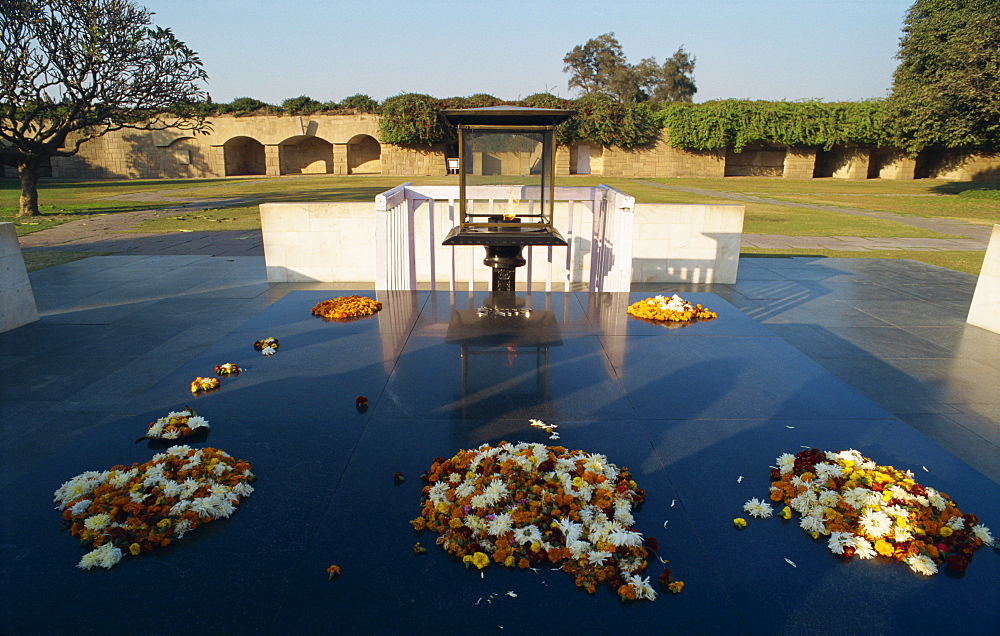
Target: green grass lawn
238 198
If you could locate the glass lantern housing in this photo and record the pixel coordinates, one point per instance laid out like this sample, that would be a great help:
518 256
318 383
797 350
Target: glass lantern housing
506 175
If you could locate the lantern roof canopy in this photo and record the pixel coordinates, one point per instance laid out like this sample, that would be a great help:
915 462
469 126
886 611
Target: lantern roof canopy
506 116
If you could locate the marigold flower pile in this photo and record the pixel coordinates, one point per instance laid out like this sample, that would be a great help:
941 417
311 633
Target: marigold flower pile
673 309
175 424
346 307
868 510
266 346
531 505
200 385
227 369
144 506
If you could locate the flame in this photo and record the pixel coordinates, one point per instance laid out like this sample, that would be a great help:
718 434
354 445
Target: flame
509 216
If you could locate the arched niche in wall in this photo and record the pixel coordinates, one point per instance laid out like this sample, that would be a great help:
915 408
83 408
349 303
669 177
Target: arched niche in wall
364 155
244 156
305 154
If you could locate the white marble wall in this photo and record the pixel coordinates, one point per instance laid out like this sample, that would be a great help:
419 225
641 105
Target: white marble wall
985 309
335 242
17 302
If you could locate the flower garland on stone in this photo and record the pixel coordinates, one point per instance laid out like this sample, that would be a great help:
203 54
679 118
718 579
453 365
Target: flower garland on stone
346 308
868 510
529 505
200 385
674 309
227 369
175 424
144 506
267 346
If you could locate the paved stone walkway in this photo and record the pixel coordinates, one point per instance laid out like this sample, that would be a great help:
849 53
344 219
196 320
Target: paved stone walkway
971 237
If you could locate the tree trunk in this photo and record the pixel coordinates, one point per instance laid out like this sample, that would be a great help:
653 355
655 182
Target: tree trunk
28 203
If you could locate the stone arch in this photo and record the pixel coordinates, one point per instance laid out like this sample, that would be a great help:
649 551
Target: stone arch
305 154
364 155
244 156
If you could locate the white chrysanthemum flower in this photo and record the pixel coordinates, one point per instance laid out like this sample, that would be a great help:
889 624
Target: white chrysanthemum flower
828 498
136 496
620 538
524 534
840 540
569 528
156 429
119 478
757 508
180 450
867 464
642 587
849 455
813 523
80 507
105 556
268 351
956 523
172 434
859 498
623 512
901 534
242 489
97 522
983 534
898 492
578 549
171 488
875 524
500 524
79 486
804 502
921 564
222 507
179 508
454 478
935 499
181 527
188 487
438 492
203 506
896 511
465 489
785 463
826 471
597 557
479 501
863 548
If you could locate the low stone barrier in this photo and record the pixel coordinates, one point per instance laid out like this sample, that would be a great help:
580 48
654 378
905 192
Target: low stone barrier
17 302
985 309
335 242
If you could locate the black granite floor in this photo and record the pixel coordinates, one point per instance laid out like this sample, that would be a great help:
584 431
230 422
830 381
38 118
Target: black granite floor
690 411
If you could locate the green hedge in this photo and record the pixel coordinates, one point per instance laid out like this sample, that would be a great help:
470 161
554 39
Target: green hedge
412 119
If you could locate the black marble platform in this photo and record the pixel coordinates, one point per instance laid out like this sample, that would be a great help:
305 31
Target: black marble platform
689 410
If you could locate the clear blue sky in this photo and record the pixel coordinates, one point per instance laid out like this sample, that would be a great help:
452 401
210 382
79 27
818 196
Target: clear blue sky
329 49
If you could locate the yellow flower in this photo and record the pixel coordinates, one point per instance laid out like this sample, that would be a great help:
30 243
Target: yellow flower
509 561
786 513
945 531
134 549
883 547
675 586
480 560
740 523
442 507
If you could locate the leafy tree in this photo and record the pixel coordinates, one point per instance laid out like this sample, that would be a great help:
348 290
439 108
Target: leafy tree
72 70
946 89
244 106
301 105
360 103
411 119
600 66
603 120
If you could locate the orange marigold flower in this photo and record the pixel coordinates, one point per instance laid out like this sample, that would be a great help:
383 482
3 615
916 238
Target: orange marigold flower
333 572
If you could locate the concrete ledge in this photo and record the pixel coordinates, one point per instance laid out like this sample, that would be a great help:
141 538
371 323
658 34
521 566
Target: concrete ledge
17 302
985 309
686 243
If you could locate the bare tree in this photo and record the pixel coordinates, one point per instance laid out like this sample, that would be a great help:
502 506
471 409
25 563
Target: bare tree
73 70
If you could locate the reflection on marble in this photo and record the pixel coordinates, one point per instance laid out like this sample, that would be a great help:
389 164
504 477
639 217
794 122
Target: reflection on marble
688 410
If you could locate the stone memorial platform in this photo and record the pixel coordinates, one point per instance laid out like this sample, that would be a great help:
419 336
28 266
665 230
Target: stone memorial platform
697 413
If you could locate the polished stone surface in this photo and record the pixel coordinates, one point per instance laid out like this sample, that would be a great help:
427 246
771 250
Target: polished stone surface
689 410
